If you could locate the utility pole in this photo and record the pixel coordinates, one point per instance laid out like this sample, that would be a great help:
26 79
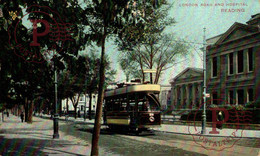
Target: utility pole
56 115
203 125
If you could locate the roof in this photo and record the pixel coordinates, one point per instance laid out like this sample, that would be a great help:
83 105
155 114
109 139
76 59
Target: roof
214 39
253 17
200 70
134 88
232 28
219 39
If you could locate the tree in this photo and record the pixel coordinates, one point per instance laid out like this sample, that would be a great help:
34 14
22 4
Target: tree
72 80
80 76
147 45
92 75
19 71
128 64
105 17
160 55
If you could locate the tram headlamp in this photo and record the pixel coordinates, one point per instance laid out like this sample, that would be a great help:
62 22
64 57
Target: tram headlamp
151 119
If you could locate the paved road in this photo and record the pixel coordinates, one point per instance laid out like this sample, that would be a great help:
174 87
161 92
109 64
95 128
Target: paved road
125 144
159 144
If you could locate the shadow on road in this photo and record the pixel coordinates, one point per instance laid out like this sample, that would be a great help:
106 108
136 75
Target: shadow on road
31 147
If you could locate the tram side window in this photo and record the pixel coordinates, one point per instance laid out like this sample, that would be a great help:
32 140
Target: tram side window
116 106
142 106
108 105
132 106
123 106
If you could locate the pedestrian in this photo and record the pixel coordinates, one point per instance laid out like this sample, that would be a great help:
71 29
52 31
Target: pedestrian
220 119
22 116
79 113
7 113
52 114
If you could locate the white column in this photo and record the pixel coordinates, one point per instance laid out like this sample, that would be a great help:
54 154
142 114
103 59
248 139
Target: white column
193 95
187 96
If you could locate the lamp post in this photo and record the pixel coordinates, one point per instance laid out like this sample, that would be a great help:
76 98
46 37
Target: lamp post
56 115
203 125
85 108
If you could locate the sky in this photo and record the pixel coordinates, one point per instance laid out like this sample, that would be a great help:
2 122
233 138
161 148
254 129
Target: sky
217 16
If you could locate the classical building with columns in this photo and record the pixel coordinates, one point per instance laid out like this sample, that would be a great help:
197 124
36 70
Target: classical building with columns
232 70
187 89
233 63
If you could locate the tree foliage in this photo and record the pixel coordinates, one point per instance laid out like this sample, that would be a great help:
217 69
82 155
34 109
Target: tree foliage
148 46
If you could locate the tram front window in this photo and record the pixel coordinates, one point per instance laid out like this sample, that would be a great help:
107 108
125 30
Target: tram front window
153 105
150 106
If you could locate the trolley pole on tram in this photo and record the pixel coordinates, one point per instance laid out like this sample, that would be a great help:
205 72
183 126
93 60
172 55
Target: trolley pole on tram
203 125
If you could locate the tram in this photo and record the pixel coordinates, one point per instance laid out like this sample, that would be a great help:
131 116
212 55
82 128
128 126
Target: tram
132 107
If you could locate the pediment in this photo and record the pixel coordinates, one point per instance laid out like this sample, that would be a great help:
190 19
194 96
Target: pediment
189 73
237 30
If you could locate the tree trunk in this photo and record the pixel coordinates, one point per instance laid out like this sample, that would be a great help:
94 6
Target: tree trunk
67 105
127 77
30 111
157 76
76 105
90 104
143 76
75 112
26 110
3 117
151 78
96 133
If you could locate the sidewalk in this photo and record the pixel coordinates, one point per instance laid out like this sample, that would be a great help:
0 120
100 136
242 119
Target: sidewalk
19 138
187 129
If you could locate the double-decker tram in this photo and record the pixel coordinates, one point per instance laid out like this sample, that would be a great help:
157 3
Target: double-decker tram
133 107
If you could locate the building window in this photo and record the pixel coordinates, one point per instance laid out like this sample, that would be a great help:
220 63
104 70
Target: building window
231 63
214 67
231 97
250 59
250 95
240 61
215 98
240 96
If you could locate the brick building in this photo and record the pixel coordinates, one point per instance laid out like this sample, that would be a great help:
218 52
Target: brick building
233 62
